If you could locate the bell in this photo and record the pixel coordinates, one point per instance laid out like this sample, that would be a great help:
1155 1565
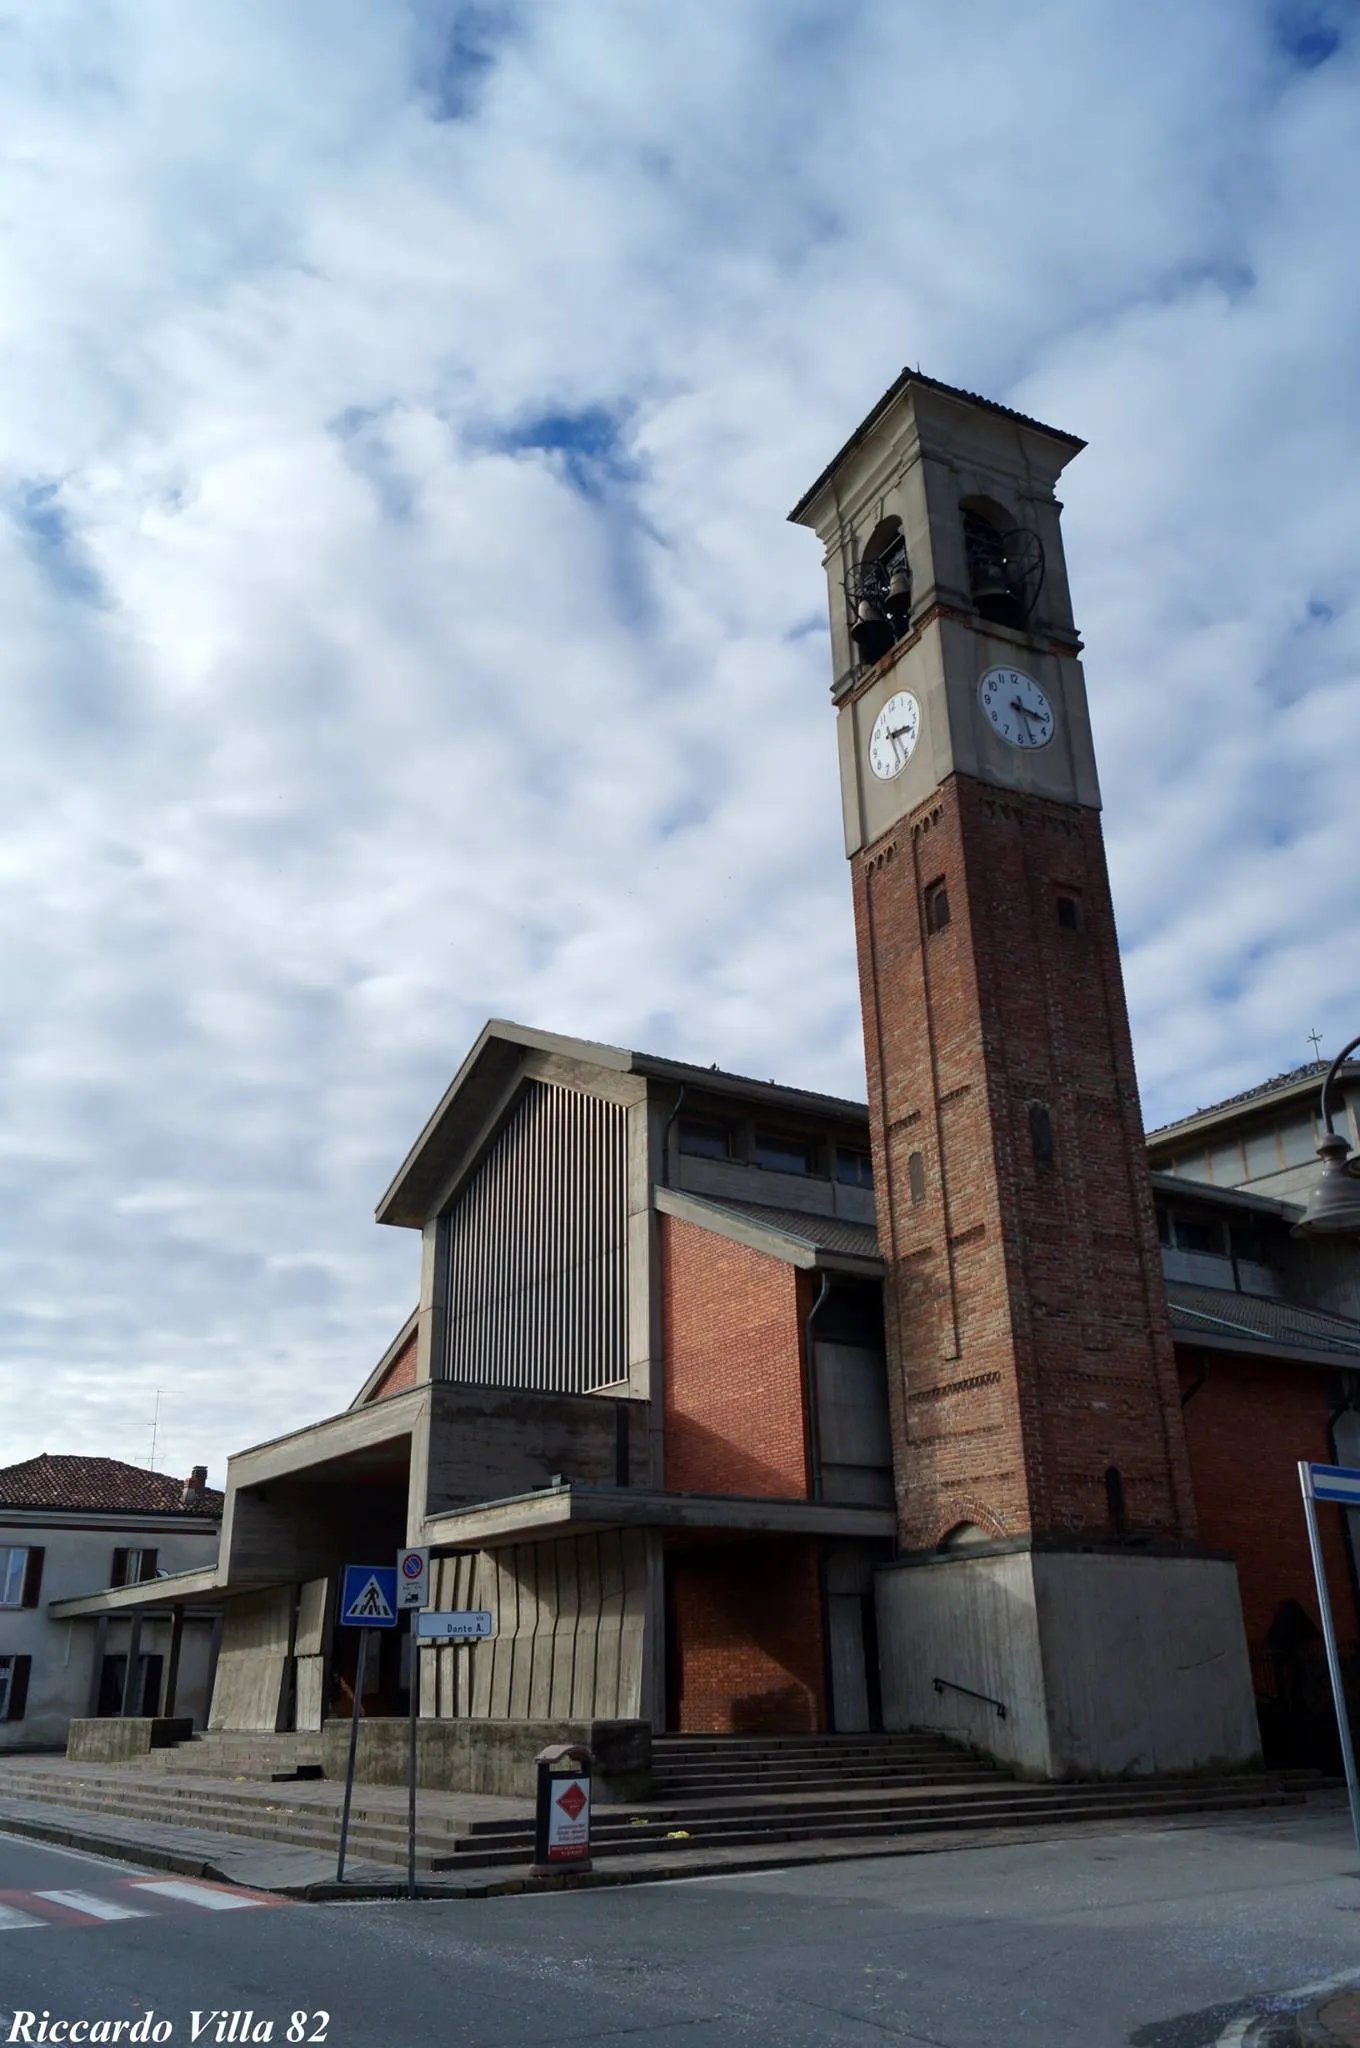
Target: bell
871 633
897 603
1333 1207
989 577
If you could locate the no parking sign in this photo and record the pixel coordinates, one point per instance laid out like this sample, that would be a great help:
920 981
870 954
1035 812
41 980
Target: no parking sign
413 1578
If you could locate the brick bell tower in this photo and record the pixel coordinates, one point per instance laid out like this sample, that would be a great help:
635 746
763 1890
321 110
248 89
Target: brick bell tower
1046 1522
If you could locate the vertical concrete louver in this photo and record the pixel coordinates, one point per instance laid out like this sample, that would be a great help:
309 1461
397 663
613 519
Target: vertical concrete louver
537 1282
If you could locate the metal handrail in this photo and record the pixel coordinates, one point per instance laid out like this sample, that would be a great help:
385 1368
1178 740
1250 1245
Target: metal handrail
967 1690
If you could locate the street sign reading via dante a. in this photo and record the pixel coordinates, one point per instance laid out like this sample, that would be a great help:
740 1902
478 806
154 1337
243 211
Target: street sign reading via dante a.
453 1625
369 1598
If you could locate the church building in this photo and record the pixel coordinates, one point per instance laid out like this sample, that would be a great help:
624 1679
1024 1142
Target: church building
749 1409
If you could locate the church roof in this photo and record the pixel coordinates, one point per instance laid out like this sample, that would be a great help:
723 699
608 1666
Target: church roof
101 1486
1297 1080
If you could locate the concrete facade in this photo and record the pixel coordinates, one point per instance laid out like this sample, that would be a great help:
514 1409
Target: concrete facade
1107 1666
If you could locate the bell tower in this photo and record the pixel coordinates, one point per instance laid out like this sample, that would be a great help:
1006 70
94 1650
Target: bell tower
1045 1515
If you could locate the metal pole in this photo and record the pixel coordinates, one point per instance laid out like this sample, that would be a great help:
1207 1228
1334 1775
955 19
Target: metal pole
353 1750
1329 1639
411 1760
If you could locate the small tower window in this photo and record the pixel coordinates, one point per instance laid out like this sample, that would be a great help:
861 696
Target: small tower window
1041 1134
916 1177
1069 912
1114 1499
937 905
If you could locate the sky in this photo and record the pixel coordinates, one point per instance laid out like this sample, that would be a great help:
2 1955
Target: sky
402 405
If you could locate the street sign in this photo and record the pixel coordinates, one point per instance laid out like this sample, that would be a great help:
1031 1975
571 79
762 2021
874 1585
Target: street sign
453 1625
413 1578
1334 1482
369 1598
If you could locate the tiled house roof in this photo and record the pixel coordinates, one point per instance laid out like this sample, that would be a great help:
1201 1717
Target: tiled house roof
102 1486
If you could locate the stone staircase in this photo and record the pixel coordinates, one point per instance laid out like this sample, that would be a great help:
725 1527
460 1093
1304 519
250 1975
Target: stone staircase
710 1793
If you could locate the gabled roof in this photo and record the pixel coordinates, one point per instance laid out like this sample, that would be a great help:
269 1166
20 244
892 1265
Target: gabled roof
1305 1080
894 391
100 1486
490 1068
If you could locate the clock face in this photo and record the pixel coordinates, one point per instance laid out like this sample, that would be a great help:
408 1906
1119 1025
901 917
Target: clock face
893 739
1016 708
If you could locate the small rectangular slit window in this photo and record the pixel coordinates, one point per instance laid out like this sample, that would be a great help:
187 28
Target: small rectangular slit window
1041 1134
937 905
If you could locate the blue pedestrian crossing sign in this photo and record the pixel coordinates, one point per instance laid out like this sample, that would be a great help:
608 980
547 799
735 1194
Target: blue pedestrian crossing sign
369 1598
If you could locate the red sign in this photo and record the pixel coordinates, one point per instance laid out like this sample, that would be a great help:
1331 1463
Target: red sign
569 1823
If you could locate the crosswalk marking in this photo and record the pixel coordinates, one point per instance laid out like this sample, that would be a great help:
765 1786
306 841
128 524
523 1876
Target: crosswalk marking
11 1918
98 1909
196 1895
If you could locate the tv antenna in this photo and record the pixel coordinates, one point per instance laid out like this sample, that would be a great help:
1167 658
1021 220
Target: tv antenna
155 1428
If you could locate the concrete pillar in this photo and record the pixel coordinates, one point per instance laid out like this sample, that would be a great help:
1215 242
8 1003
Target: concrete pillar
131 1700
101 1637
172 1661
214 1650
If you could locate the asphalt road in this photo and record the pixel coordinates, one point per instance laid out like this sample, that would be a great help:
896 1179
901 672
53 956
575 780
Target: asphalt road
1160 1938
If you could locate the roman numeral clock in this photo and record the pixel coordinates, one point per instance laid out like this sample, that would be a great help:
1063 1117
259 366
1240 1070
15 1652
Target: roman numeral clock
1045 1516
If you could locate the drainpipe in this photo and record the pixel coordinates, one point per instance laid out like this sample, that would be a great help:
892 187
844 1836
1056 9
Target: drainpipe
810 1389
663 1178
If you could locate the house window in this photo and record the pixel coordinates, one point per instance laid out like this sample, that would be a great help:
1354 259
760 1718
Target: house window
854 1169
14 1686
937 905
782 1154
20 1576
705 1138
132 1567
1200 1234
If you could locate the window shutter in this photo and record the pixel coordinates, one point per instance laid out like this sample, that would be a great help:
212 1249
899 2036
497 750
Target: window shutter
118 1576
18 1688
148 1570
33 1571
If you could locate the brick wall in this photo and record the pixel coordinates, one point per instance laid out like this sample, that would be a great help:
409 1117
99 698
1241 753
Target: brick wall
1027 1331
400 1374
744 1622
735 1417
1247 1427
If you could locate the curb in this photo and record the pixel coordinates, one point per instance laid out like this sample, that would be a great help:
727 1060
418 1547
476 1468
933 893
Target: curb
1331 2022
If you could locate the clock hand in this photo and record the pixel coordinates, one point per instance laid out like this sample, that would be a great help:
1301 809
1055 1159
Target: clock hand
1025 712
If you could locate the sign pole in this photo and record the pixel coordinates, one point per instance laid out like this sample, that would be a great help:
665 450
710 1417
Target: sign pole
353 1751
411 1759
1329 1639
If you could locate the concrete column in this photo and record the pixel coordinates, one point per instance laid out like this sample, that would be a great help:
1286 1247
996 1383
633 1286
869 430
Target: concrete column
131 1702
172 1661
214 1650
101 1637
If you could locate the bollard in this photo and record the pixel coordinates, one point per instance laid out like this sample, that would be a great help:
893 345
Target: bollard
562 1815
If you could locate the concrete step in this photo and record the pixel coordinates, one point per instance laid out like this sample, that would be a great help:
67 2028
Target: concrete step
380 1835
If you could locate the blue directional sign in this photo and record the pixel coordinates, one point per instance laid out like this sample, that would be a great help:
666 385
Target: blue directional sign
369 1598
1335 1482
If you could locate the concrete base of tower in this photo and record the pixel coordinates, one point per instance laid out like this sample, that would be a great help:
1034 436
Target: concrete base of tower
1107 1664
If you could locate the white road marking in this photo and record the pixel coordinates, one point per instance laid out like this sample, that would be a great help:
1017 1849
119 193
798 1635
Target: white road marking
196 1895
1235 2033
98 1909
12 1918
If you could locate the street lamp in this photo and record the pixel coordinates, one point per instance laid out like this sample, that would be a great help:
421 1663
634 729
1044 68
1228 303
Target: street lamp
1333 1208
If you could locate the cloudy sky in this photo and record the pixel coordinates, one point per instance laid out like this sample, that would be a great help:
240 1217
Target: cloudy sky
401 405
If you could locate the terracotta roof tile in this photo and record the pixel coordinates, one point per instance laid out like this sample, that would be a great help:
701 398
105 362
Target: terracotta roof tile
98 1485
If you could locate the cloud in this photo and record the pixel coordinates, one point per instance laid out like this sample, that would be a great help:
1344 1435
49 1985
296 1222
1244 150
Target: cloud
402 626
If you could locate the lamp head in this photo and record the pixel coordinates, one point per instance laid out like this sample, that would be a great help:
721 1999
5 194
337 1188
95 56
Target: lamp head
1333 1207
